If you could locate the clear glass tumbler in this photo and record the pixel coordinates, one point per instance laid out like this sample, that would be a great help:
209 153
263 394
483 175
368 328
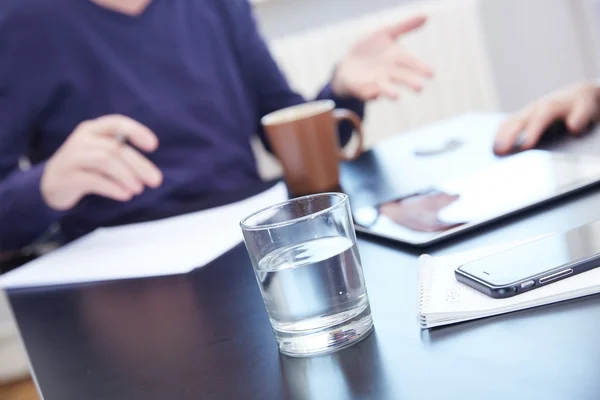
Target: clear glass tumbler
308 268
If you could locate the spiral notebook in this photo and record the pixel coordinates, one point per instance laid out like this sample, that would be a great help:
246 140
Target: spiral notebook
443 301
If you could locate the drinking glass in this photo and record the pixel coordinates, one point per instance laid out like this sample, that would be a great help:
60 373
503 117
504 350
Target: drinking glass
310 275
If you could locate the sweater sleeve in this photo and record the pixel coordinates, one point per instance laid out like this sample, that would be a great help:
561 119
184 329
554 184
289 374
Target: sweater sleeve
25 59
262 72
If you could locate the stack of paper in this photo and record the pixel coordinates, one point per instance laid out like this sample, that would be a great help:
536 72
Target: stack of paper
443 300
169 246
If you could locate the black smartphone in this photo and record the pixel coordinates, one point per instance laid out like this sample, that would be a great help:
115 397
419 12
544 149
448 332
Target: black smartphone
534 264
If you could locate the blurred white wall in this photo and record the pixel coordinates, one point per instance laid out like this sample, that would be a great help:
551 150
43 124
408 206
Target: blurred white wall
284 17
536 46
489 54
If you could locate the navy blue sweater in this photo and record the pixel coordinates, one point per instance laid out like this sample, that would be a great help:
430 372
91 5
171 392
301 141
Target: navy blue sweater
196 72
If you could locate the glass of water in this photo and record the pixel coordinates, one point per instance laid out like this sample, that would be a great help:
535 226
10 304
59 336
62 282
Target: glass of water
308 268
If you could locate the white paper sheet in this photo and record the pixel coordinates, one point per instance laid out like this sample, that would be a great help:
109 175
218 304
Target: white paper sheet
165 247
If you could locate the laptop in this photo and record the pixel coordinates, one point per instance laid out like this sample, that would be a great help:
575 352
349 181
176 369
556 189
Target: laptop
455 206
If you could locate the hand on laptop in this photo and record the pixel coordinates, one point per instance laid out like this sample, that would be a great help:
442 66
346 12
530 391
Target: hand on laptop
376 65
577 105
97 159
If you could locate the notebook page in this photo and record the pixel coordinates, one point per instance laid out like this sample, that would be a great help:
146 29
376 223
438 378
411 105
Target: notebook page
438 295
439 290
444 295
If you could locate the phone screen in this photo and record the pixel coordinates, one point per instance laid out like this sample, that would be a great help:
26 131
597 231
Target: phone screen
537 257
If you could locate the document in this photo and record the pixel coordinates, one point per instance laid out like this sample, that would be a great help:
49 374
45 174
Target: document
169 246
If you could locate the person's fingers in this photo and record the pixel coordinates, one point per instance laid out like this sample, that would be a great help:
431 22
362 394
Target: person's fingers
94 183
368 91
509 133
115 169
581 115
408 25
369 94
116 125
407 77
403 59
103 149
540 120
144 169
99 160
387 88
121 162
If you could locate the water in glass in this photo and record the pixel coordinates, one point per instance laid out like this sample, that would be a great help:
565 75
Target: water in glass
315 295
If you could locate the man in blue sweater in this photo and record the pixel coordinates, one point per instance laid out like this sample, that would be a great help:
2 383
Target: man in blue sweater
127 106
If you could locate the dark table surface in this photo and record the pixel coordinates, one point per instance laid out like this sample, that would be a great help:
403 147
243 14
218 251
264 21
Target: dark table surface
206 335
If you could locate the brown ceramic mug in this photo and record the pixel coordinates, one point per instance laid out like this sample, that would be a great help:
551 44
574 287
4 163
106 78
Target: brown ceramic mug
305 139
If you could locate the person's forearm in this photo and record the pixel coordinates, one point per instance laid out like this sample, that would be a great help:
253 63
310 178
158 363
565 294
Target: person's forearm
349 103
24 216
263 74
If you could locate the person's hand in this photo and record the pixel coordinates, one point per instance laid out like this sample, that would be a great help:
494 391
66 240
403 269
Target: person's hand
577 105
377 64
93 160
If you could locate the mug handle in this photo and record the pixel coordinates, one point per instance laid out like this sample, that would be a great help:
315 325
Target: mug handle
341 114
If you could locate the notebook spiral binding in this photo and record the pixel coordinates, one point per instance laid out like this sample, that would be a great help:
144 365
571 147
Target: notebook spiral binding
424 289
